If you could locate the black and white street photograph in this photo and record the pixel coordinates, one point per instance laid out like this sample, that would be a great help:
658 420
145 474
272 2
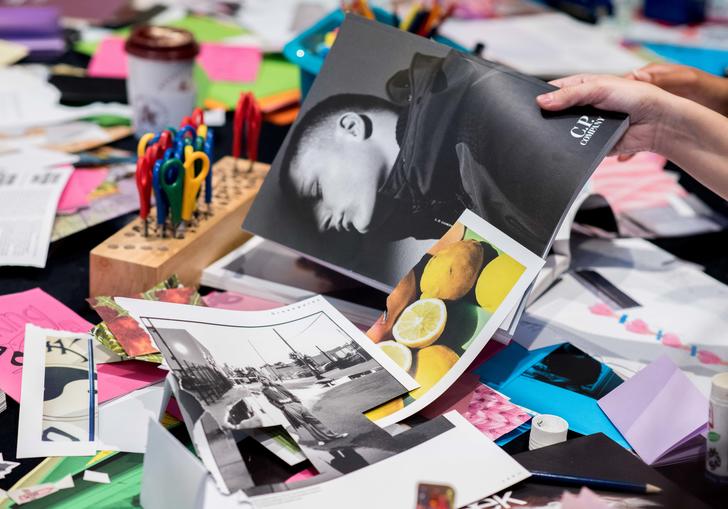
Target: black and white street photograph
297 373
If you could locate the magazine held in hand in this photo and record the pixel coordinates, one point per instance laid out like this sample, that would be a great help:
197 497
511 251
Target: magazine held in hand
399 135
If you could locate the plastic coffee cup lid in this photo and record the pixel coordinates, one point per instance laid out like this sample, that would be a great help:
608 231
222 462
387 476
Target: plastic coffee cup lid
162 43
719 387
548 430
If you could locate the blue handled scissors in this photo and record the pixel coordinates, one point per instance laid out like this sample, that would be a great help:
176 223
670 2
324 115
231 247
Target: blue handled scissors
160 197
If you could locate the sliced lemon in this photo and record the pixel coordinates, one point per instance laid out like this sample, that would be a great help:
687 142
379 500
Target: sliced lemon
421 323
398 353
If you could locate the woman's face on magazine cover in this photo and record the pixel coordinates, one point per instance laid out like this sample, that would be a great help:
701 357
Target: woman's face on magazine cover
341 177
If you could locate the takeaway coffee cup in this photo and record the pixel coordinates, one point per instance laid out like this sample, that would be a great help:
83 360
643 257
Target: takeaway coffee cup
160 86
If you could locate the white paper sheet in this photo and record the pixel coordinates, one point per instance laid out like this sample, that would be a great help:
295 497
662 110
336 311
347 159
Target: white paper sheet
460 457
66 441
97 477
552 44
28 201
28 100
123 421
33 157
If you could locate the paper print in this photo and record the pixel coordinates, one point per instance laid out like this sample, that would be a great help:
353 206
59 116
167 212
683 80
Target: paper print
304 367
442 314
493 414
59 403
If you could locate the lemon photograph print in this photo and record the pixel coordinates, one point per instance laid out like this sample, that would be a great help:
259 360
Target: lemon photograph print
445 310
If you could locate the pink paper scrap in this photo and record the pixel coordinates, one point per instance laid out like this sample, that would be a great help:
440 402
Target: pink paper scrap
221 62
40 309
586 499
224 62
109 60
81 184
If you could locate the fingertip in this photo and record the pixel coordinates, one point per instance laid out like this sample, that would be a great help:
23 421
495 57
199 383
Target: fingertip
641 75
624 157
545 100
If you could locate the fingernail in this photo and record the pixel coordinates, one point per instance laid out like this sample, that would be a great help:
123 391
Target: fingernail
546 98
642 75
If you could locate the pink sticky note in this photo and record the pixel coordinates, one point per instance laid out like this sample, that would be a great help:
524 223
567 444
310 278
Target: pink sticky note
223 62
38 308
18 309
81 184
109 61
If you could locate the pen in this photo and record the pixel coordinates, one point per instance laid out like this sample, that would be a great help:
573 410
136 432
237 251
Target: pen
593 482
91 392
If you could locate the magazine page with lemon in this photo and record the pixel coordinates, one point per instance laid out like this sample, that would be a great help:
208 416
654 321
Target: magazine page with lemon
444 311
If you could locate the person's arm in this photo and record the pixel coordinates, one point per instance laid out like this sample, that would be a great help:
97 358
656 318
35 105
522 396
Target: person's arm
688 82
692 136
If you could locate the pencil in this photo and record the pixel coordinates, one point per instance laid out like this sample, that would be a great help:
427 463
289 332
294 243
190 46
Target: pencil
592 482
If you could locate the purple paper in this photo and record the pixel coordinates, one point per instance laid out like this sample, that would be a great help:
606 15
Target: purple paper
657 409
28 22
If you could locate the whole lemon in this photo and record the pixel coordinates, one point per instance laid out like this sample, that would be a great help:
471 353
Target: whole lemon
452 272
432 364
496 280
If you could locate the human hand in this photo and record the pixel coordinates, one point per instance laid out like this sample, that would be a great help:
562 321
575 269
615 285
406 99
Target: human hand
650 109
689 134
688 82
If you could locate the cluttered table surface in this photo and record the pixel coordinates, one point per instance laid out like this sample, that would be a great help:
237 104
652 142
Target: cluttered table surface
534 359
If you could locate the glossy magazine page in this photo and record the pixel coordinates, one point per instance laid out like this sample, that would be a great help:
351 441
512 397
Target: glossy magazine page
399 135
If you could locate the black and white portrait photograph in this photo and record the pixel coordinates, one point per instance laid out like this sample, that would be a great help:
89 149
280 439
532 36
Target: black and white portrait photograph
387 153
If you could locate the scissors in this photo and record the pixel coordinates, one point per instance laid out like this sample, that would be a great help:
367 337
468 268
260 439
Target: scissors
195 120
165 137
172 182
159 195
247 123
144 186
193 180
207 148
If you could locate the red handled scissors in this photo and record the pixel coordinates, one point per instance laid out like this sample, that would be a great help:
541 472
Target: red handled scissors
247 124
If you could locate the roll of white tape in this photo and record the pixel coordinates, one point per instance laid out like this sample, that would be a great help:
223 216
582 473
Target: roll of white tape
547 430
